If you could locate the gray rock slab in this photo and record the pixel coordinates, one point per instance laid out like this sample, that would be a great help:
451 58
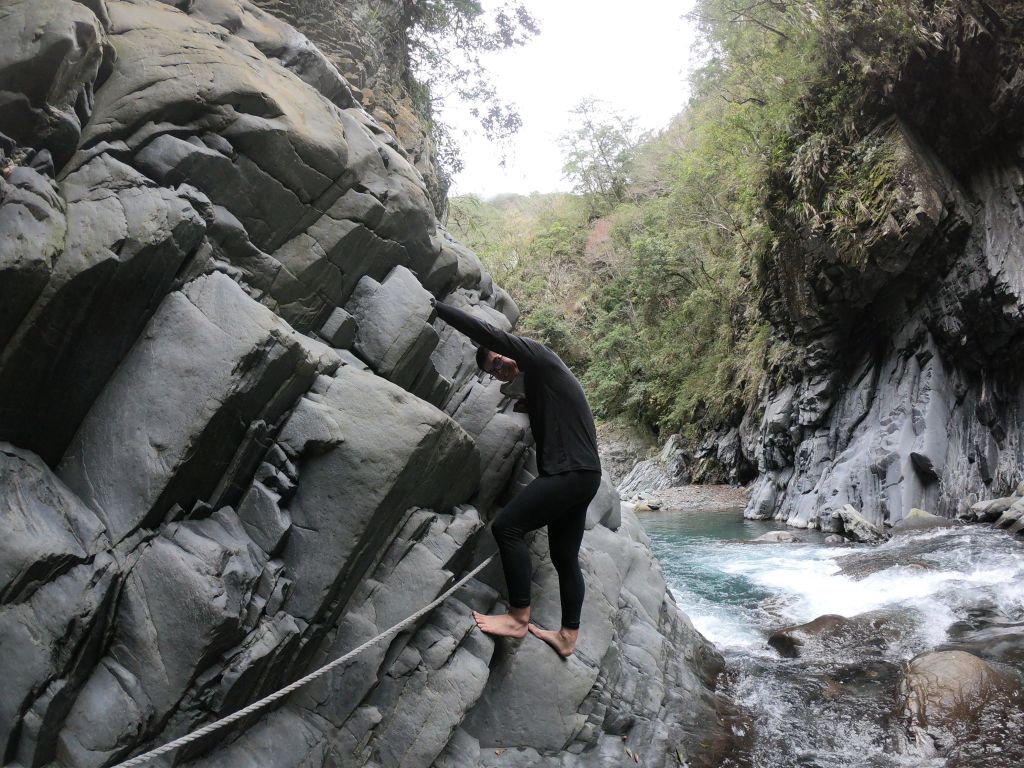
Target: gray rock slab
126 240
339 330
280 42
48 530
51 642
264 520
397 452
285 134
211 362
207 566
393 335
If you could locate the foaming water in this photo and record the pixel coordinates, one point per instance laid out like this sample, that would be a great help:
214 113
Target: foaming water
836 707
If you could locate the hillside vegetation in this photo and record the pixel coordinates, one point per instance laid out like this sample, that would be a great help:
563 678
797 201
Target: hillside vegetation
654 288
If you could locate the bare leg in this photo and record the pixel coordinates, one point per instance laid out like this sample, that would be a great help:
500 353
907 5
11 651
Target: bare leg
563 641
511 624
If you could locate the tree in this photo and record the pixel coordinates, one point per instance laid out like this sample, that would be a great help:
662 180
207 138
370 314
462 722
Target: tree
446 40
599 152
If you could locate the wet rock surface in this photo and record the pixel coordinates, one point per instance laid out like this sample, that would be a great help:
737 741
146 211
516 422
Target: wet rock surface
235 443
962 706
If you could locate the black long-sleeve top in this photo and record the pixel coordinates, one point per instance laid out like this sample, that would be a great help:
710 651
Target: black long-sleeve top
560 417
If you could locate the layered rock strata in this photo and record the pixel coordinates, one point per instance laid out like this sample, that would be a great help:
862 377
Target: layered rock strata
235 443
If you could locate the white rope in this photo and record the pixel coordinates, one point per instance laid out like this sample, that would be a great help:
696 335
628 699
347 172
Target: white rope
218 724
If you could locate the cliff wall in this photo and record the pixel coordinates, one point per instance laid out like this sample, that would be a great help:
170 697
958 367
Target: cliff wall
906 310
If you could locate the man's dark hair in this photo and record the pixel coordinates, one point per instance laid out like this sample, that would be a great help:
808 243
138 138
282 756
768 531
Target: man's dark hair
481 357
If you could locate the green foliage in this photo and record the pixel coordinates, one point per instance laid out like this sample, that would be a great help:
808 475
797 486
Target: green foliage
599 153
534 248
445 42
656 301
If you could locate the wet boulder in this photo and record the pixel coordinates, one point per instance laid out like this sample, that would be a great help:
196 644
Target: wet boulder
777 537
852 524
919 520
1011 516
838 635
989 511
958 704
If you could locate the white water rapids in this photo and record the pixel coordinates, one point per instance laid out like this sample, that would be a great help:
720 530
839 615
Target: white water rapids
837 705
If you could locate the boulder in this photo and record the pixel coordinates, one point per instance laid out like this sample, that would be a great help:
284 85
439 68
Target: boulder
836 636
777 537
959 703
1011 516
989 511
855 526
919 520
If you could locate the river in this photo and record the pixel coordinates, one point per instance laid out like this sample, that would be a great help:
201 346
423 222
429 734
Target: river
836 704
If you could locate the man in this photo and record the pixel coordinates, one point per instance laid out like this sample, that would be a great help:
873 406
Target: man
570 472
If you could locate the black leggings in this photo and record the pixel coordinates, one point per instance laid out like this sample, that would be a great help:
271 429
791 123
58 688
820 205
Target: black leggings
560 502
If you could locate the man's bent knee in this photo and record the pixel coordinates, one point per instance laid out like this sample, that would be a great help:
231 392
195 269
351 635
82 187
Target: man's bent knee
503 530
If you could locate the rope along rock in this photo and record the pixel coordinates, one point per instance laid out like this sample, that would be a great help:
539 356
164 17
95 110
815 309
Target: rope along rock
255 706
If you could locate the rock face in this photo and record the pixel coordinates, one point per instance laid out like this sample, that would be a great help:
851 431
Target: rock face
906 391
366 41
235 444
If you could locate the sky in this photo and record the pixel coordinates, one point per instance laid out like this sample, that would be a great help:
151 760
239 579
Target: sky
634 56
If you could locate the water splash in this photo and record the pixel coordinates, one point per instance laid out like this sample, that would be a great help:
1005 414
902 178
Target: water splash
838 708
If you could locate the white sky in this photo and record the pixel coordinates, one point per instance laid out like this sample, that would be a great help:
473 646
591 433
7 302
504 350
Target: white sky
635 56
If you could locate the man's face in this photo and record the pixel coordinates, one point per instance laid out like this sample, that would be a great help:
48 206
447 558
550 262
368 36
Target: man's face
501 368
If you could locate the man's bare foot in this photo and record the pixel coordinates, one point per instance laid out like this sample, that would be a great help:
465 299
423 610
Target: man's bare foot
563 641
511 624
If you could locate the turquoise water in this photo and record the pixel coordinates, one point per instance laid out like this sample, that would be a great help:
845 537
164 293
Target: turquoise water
836 705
